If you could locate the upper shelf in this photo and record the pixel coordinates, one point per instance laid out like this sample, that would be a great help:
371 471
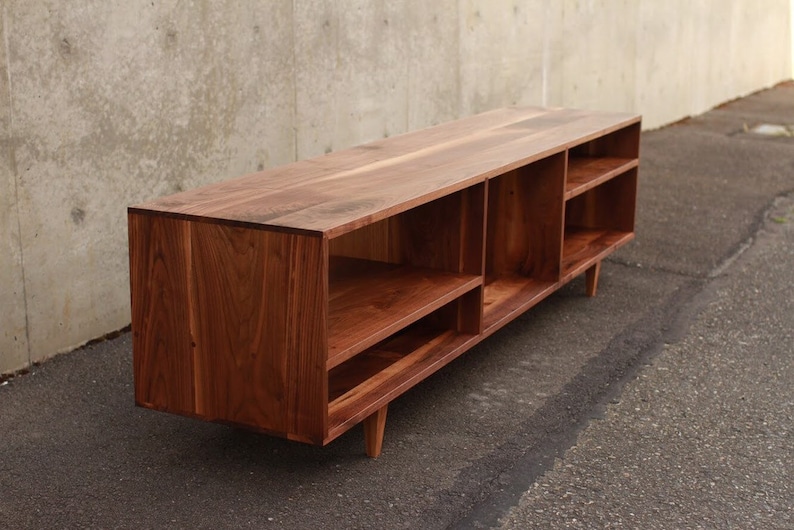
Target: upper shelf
586 172
339 192
375 303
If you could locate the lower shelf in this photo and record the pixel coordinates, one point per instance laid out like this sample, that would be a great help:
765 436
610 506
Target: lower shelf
508 296
583 247
375 377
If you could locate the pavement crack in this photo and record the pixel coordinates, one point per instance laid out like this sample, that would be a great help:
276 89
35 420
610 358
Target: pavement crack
720 269
760 223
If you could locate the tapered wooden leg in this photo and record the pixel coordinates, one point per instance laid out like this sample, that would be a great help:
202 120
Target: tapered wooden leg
591 279
374 427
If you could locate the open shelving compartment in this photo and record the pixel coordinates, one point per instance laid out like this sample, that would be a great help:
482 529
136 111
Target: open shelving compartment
524 234
404 298
600 201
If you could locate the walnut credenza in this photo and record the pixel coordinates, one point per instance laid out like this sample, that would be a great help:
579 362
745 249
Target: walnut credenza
299 301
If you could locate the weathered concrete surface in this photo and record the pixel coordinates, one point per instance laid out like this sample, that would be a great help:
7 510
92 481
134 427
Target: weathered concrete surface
712 60
593 38
114 104
510 54
107 104
462 447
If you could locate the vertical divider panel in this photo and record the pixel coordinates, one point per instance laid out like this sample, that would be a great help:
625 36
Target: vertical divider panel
548 228
472 255
470 312
504 245
472 233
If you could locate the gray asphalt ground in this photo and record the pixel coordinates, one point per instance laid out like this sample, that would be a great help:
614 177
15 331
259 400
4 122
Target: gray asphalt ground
664 402
704 437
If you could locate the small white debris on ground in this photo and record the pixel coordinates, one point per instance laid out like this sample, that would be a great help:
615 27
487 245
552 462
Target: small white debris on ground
773 129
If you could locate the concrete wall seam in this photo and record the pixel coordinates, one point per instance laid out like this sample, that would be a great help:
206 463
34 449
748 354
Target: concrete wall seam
14 336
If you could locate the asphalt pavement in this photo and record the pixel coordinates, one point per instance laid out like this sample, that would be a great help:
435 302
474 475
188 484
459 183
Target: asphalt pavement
664 402
704 436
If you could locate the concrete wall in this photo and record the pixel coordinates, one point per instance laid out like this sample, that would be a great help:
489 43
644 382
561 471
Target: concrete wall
107 103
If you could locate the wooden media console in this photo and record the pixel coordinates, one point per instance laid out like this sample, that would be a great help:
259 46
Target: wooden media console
299 301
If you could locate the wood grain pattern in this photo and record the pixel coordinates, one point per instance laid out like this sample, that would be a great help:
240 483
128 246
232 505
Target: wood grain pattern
430 234
346 190
472 232
161 339
585 173
368 308
525 220
586 246
348 375
445 234
374 242
436 241
260 329
374 428
359 369
307 339
205 200
301 300
429 355
591 279
510 295
610 205
623 142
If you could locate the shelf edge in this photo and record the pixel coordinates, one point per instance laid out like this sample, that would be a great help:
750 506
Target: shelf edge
630 163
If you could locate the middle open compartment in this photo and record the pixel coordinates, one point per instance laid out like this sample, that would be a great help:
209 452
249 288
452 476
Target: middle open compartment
404 296
524 238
